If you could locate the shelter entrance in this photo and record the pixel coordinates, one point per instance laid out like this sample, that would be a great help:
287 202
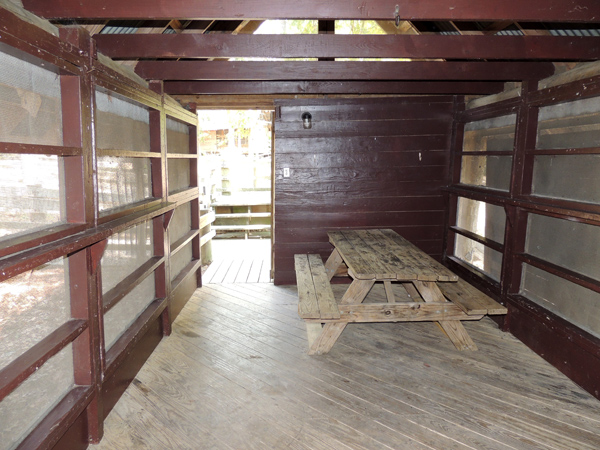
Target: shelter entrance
235 181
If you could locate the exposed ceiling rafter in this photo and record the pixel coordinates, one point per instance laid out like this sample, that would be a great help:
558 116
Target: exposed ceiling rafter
331 87
436 10
550 48
338 70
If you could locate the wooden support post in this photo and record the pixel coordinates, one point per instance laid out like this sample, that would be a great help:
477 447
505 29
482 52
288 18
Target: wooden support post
88 349
313 330
333 263
453 328
161 248
412 292
193 148
389 293
355 294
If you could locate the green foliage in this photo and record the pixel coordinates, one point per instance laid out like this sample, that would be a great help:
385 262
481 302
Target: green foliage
301 27
357 27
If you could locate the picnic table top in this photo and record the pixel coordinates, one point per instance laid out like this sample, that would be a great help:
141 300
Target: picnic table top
382 254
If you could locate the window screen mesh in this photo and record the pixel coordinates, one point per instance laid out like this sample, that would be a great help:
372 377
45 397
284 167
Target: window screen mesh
30 102
481 218
32 305
572 251
122 181
178 137
30 193
181 259
576 304
569 177
486 171
490 135
22 410
570 125
181 223
124 313
478 255
179 174
121 124
125 252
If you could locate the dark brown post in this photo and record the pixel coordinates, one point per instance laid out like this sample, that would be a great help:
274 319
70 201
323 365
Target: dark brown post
158 144
193 145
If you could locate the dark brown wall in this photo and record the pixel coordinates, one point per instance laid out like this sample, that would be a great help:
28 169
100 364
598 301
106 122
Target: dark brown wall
365 163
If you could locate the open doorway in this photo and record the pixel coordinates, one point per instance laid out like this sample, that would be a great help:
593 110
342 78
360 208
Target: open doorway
235 180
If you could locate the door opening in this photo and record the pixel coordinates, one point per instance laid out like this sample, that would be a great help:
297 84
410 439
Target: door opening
235 182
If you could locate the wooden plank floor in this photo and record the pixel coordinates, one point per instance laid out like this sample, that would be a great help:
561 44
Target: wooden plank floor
239 261
235 375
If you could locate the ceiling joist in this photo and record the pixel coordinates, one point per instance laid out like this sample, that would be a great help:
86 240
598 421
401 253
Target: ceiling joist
342 70
331 87
165 46
431 10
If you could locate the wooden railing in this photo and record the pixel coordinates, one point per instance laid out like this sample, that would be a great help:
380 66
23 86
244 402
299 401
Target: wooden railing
237 219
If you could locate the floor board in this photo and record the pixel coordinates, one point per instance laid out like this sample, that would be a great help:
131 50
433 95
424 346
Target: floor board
239 261
235 375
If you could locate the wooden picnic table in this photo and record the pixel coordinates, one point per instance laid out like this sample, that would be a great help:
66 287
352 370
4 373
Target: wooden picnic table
384 256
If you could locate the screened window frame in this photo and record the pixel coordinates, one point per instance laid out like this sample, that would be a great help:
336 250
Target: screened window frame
191 122
154 155
483 194
500 109
552 268
69 75
192 236
453 230
83 236
519 202
538 100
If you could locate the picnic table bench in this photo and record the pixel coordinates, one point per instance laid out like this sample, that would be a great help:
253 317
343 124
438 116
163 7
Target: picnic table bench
384 256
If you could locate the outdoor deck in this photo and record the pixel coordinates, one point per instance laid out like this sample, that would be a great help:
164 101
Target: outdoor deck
235 375
239 261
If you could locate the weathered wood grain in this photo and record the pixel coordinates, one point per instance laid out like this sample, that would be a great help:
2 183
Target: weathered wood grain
384 254
355 294
453 328
470 299
403 312
308 308
327 306
315 297
238 352
333 263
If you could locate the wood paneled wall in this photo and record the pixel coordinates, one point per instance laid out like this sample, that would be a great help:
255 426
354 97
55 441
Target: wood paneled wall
364 163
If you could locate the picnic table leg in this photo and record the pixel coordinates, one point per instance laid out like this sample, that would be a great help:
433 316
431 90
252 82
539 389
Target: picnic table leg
333 263
313 330
389 293
412 291
453 328
330 333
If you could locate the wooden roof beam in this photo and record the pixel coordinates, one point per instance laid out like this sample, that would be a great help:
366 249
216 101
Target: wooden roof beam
173 46
433 10
342 70
332 87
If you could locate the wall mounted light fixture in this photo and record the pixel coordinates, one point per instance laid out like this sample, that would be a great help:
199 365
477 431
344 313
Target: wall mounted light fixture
307 120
